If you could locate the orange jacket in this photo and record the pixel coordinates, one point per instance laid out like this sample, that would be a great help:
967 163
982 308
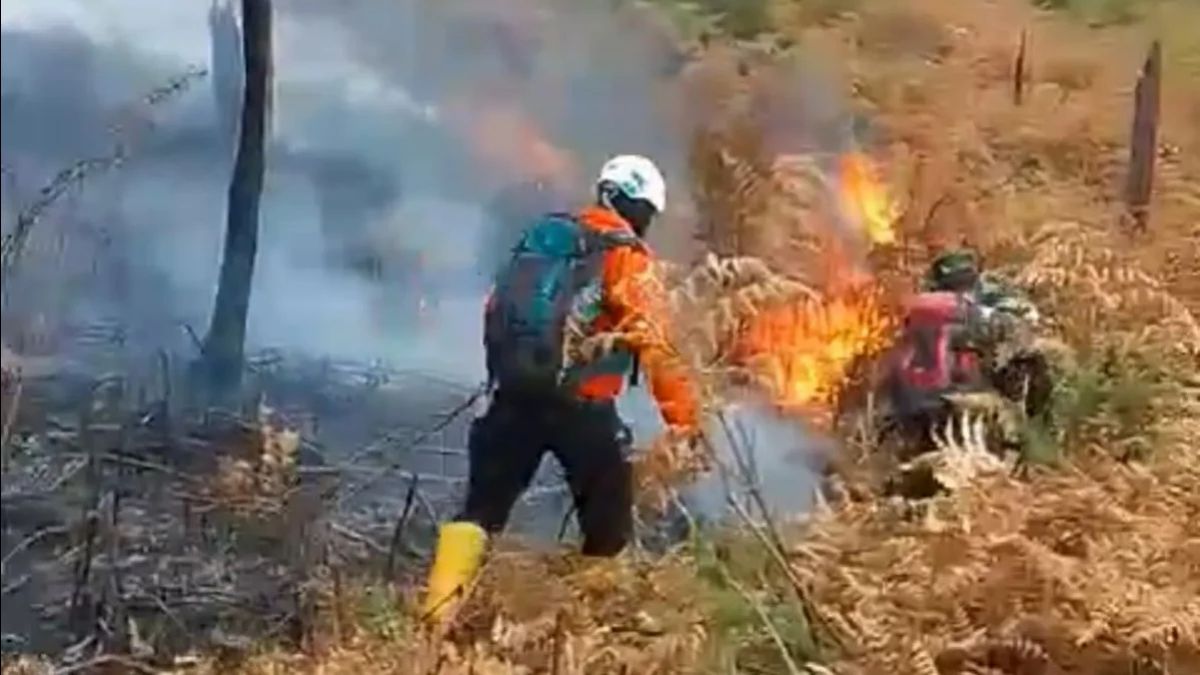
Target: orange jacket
636 308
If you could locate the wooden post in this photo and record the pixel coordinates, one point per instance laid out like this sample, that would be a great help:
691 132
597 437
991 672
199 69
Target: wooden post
224 345
1143 143
1019 69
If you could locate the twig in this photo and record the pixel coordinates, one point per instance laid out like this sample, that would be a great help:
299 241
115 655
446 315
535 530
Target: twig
761 611
769 535
556 651
443 420
30 541
144 464
120 612
91 513
191 332
359 537
562 528
10 419
16 585
420 438
741 590
398 533
751 484
103 660
162 606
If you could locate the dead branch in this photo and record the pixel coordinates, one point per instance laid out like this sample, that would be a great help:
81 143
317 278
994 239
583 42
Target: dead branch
28 542
398 533
15 585
443 420
359 537
105 660
394 467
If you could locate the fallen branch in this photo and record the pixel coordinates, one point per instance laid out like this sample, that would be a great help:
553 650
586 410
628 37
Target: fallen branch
30 541
105 660
359 537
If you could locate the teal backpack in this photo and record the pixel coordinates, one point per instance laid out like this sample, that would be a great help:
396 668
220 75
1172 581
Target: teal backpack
553 275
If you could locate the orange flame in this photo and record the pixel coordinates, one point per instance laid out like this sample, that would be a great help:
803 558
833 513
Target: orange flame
802 352
866 199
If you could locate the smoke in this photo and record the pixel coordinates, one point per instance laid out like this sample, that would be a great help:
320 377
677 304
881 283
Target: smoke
776 455
408 138
396 128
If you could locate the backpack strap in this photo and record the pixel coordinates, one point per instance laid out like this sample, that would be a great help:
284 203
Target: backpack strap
596 243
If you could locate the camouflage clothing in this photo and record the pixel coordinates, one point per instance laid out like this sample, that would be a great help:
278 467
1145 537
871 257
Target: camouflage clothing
998 312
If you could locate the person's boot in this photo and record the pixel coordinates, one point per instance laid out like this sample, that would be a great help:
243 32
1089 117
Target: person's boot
458 558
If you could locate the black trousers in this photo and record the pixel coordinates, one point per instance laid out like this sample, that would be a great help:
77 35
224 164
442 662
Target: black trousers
589 440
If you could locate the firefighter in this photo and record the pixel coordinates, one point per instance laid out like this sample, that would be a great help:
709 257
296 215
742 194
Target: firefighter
956 271
577 421
996 314
995 310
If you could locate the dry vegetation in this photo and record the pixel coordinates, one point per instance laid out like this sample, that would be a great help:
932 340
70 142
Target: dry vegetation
1083 559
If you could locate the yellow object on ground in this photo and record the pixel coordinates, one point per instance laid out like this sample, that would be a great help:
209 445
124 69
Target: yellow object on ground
459 554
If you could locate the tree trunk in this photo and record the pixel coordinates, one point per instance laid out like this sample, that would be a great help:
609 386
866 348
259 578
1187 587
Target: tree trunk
224 345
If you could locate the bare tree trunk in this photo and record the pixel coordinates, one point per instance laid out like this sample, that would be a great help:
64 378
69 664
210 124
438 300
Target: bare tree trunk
224 345
1143 144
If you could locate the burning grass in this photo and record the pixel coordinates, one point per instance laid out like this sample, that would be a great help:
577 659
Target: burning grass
1082 563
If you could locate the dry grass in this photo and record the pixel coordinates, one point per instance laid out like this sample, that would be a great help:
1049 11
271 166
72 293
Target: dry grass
1085 568
1089 567
256 479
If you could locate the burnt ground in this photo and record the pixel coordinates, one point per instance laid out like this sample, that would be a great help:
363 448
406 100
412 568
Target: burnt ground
112 538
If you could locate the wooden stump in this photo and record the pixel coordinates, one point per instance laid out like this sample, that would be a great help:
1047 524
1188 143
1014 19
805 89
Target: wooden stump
1143 144
1019 70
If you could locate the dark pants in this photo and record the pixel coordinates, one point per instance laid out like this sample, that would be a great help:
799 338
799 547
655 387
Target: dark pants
589 440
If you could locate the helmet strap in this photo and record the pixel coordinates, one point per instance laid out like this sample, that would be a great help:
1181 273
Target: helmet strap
637 212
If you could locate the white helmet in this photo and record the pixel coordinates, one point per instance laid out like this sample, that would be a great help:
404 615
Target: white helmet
637 178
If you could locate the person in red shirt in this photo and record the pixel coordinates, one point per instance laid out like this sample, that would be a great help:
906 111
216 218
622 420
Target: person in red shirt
581 428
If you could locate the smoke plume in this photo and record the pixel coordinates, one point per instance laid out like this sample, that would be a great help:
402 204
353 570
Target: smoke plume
407 139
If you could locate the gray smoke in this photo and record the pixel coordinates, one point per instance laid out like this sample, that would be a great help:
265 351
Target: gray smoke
373 205
377 203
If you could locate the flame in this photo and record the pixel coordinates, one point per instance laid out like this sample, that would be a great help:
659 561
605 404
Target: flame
802 352
866 199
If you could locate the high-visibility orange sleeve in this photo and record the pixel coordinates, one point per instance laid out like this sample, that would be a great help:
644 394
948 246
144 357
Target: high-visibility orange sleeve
638 307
